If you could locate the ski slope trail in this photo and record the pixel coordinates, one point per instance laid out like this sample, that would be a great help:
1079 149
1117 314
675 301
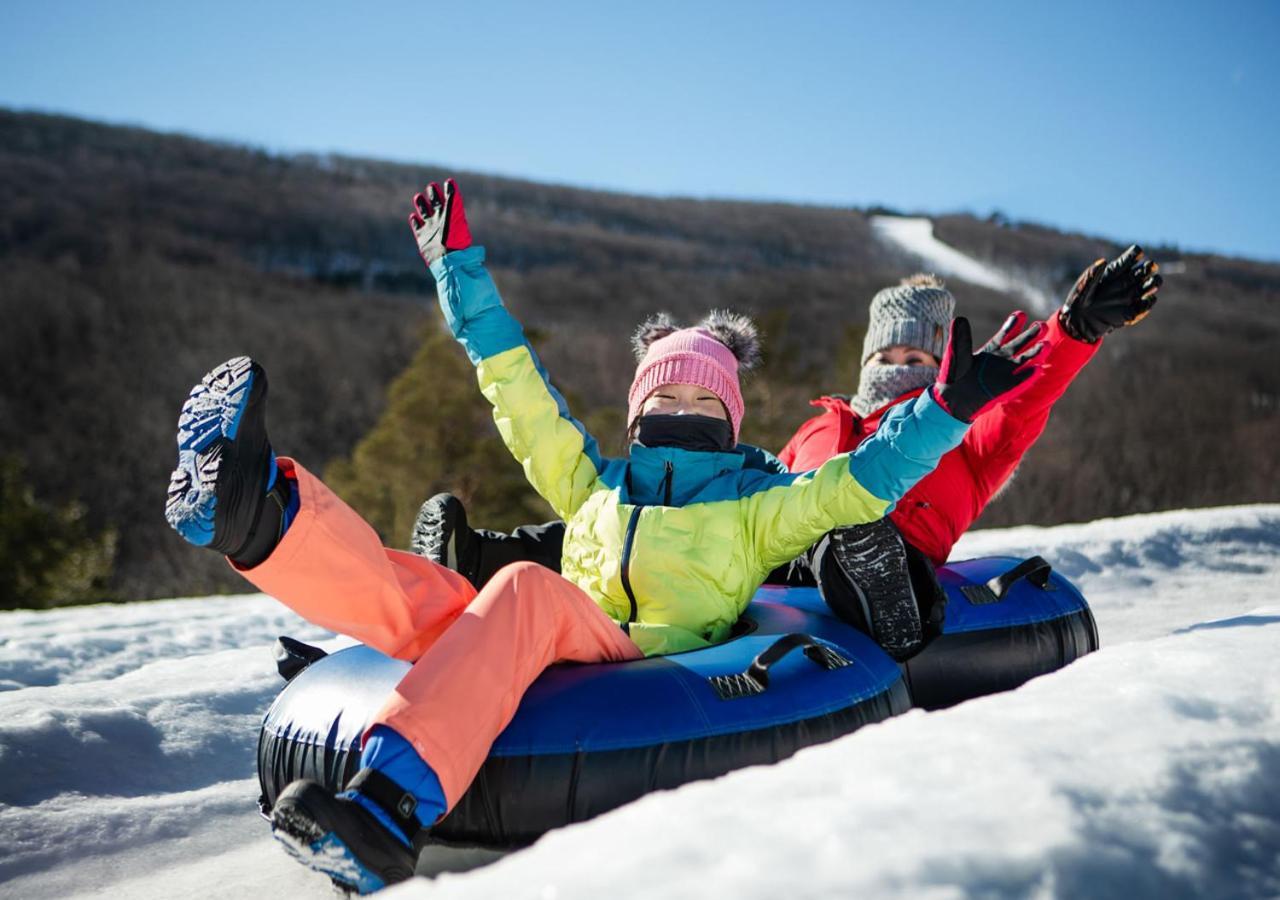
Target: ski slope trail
1147 769
915 236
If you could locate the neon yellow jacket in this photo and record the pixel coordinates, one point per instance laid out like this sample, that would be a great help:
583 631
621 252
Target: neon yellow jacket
672 544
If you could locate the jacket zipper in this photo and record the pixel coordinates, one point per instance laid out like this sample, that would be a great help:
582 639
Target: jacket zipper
629 542
626 565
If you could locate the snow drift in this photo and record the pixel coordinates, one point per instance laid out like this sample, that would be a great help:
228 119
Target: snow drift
1147 769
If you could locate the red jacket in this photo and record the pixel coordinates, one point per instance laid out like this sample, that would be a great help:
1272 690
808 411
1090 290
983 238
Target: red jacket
944 503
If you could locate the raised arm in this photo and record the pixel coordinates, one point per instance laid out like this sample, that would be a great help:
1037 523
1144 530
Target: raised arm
789 513
1107 296
559 457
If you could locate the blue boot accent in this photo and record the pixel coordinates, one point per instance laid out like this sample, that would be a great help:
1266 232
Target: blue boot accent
333 858
225 463
393 756
340 838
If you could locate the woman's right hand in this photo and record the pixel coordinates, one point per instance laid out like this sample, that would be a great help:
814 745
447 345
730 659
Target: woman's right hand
1111 295
969 382
438 221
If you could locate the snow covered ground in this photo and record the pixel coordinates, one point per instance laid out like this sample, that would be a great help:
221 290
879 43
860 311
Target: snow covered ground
1148 769
915 236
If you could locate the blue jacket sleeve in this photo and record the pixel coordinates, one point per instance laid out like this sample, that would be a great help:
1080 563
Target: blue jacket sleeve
792 511
560 459
472 307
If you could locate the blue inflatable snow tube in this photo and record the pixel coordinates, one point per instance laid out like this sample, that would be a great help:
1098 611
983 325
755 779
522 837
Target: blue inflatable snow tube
589 738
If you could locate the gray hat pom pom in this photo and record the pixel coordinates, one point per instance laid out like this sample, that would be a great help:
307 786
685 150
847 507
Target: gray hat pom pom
651 329
738 333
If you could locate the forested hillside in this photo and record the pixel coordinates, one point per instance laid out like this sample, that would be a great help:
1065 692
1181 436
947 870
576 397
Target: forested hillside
131 262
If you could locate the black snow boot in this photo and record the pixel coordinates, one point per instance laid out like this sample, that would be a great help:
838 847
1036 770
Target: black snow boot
339 837
441 533
876 586
218 495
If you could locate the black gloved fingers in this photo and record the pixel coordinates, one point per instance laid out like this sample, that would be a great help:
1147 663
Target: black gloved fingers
1141 282
1150 286
1128 265
962 336
1016 343
958 357
1012 325
1141 272
1144 304
1029 354
1087 283
1129 258
1124 283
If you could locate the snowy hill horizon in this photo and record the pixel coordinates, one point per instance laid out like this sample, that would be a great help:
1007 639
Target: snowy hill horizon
132 262
1147 769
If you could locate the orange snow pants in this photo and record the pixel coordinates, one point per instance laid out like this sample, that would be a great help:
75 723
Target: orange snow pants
476 653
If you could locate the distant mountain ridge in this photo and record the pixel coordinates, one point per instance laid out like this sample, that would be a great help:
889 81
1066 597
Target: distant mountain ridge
131 262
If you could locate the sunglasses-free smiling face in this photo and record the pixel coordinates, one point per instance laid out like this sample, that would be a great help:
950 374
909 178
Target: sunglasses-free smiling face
684 399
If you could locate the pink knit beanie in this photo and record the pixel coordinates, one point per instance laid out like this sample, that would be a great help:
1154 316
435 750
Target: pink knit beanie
708 356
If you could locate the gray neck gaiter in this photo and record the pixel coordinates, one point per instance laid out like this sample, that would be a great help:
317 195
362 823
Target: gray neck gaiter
881 384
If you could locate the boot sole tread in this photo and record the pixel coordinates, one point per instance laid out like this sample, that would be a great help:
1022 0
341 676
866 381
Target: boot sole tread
209 421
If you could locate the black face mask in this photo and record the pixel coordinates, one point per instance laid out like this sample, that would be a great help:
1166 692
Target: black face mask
685 432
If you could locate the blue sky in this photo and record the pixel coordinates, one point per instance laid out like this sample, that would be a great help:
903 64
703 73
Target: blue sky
1153 122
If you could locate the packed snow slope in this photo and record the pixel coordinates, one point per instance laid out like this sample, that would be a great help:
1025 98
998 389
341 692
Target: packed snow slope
1148 769
915 236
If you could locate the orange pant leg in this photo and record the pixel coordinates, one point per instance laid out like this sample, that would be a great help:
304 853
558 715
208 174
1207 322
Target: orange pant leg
464 690
332 569
476 653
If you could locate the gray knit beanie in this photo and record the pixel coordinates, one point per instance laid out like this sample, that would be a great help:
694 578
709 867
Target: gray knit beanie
916 313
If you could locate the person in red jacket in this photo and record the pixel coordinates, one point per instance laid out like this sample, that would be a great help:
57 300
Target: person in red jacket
865 572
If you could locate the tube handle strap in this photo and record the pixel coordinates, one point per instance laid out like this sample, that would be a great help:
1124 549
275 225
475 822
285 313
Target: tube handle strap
292 656
1035 569
755 679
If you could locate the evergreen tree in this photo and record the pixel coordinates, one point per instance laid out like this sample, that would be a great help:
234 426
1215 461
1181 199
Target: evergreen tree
435 434
47 555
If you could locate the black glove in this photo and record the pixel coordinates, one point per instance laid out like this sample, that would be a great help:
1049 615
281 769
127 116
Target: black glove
439 221
968 382
1108 297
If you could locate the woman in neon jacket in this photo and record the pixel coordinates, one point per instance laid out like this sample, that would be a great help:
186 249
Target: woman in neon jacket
663 549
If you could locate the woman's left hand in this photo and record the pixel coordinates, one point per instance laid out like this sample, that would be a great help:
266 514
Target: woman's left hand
969 382
438 221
